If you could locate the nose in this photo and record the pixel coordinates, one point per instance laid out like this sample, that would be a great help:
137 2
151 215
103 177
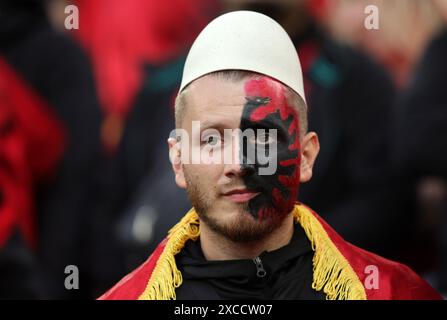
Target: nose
239 165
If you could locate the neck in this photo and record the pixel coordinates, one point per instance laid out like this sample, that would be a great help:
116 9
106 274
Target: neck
217 247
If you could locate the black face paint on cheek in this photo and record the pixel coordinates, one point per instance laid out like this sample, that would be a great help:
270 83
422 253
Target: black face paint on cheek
267 108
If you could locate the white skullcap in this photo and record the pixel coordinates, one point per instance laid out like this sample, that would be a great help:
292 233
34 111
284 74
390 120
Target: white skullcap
245 40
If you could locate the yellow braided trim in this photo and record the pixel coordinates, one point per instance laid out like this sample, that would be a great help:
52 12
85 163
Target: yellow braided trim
166 277
332 273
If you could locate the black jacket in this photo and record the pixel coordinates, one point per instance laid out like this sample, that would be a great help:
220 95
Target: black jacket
283 274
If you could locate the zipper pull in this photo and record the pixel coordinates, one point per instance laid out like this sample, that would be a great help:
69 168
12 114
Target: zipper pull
260 271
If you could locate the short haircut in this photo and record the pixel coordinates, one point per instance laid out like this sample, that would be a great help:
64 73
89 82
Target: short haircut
236 76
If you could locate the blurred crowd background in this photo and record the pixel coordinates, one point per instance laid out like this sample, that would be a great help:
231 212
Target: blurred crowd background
85 113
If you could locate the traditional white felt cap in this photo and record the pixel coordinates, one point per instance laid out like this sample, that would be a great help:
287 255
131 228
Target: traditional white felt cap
245 40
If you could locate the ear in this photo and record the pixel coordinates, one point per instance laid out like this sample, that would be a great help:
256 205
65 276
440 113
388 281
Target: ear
176 162
310 146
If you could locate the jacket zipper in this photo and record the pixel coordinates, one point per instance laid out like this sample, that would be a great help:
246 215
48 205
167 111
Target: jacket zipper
260 271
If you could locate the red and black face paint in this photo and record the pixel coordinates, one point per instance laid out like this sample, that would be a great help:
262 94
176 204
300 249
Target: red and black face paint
267 108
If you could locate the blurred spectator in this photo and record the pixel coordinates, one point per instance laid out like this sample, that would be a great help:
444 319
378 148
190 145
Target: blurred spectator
138 50
350 102
55 68
122 39
31 144
392 44
421 144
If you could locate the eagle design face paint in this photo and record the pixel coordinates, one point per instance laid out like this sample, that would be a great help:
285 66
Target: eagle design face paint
267 108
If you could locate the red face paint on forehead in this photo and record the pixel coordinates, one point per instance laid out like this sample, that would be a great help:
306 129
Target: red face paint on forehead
266 105
276 93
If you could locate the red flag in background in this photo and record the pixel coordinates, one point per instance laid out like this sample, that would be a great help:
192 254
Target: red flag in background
121 36
31 144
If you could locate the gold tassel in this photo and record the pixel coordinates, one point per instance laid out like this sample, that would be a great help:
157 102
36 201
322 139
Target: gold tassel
332 272
166 277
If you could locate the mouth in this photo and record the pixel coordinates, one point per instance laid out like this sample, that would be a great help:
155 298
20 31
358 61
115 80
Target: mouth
240 195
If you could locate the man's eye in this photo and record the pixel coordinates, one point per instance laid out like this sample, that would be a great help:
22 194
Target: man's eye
264 138
211 140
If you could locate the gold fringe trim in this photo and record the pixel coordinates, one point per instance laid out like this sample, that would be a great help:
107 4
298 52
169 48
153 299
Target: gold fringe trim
332 272
165 277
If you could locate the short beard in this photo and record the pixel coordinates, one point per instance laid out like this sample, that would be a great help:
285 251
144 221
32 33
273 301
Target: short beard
243 229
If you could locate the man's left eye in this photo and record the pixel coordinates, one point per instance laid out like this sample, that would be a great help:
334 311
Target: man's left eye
264 138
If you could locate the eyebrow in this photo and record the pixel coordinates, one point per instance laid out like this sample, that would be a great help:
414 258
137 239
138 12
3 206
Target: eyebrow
221 125
210 124
268 124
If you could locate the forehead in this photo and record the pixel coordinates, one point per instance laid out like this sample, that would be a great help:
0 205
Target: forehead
220 101
213 94
215 102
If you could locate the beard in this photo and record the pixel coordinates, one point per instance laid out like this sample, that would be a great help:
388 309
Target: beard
242 227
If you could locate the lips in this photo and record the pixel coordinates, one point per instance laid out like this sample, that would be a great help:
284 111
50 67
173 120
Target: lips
240 195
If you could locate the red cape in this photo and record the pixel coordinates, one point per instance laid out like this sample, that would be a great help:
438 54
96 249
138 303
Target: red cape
396 281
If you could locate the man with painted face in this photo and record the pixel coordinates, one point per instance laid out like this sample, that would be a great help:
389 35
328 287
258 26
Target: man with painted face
241 150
